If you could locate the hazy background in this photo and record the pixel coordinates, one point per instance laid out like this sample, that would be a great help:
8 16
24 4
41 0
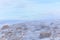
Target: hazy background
29 9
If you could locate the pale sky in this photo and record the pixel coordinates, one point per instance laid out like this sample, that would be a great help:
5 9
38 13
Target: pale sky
29 9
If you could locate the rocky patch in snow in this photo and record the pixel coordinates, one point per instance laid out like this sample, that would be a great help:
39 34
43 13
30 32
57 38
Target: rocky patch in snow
30 31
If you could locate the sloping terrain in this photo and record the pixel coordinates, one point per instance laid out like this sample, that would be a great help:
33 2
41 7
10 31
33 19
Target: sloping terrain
31 31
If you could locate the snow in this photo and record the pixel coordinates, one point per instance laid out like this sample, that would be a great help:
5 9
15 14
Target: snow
30 31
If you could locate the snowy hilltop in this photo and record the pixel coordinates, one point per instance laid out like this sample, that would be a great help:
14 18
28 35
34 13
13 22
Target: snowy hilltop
33 30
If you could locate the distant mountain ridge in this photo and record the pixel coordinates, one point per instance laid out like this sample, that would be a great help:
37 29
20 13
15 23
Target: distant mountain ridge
11 21
26 21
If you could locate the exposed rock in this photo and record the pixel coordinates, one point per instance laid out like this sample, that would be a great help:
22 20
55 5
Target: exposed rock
5 27
45 35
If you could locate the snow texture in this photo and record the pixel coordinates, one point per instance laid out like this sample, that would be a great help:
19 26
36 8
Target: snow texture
30 31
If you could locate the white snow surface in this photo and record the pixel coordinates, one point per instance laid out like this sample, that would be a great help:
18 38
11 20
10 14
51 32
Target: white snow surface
29 31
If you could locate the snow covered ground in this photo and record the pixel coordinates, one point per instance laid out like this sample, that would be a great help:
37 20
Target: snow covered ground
31 31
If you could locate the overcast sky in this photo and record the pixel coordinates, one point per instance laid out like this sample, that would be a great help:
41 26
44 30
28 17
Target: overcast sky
29 9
